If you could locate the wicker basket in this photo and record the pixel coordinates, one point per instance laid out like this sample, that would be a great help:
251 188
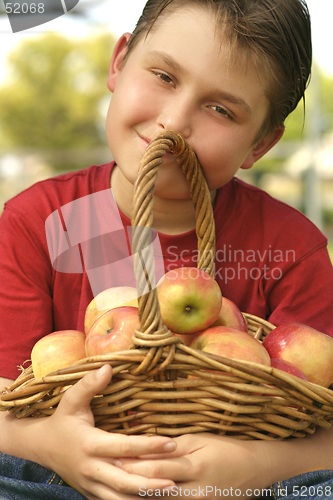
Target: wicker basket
164 387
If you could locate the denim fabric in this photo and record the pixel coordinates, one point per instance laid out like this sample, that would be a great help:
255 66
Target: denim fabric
316 485
25 480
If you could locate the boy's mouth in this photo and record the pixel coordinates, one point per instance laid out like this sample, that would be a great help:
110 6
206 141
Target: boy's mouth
145 142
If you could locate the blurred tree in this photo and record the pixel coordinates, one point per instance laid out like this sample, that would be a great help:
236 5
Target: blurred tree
54 96
297 126
327 101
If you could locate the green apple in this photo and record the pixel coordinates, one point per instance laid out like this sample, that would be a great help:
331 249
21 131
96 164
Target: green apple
190 300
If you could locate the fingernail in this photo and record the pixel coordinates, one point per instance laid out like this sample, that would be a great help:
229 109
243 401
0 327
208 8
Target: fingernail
171 446
101 371
118 463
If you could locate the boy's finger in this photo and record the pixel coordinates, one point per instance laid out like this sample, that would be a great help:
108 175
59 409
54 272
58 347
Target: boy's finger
120 445
80 395
119 480
177 469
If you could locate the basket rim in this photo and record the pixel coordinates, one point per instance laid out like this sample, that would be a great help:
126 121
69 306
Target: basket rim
125 357
259 320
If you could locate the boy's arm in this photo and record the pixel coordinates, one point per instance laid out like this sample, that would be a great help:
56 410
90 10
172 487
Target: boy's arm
205 462
84 456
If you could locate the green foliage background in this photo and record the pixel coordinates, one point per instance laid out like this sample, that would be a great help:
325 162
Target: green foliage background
298 124
54 97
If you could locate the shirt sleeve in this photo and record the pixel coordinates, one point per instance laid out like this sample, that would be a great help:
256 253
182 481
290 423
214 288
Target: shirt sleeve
25 291
305 293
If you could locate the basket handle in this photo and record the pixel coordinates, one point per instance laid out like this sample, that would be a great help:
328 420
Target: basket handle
142 219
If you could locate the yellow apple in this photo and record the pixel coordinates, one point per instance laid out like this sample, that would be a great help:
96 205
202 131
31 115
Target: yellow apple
109 299
57 350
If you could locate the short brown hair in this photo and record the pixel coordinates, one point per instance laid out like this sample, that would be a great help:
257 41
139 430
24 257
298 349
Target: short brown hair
276 35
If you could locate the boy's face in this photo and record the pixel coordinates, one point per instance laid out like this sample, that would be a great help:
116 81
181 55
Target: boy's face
180 78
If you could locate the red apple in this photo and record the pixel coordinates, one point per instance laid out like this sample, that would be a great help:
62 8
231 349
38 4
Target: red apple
288 368
57 350
231 316
308 349
190 300
231 343
109 299
113 331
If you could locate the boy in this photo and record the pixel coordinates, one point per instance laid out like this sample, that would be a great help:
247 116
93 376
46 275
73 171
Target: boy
225 74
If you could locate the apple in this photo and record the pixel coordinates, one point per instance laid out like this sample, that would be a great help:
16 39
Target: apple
190 300
231 316
308 349
187 339
288 368
109 299
57 350
113 331
231 343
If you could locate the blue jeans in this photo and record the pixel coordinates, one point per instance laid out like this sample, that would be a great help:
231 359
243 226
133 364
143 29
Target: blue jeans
316 485
24 480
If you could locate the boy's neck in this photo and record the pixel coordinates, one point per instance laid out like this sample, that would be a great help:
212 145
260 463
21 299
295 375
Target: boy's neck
169 216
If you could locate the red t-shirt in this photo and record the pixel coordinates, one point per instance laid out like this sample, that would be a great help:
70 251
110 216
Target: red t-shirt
63 240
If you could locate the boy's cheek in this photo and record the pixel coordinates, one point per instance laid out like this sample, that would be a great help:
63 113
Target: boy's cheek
132 107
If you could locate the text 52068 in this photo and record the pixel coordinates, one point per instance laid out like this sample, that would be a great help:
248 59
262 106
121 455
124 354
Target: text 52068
24 8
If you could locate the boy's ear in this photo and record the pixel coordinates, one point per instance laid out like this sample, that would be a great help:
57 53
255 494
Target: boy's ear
117 60
263 147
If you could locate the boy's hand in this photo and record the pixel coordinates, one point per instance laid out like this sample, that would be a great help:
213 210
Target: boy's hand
205 466
85 456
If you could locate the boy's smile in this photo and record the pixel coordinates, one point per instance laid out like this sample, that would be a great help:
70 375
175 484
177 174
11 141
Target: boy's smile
181 77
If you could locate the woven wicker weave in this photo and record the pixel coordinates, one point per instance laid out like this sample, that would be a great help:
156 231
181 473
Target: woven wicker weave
162 386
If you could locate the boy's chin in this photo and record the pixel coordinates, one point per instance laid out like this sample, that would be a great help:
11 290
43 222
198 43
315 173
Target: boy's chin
172 192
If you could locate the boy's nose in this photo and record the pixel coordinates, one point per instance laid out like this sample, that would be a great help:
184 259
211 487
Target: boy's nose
178 117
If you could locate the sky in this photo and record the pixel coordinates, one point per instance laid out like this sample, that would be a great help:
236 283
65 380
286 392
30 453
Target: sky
120 16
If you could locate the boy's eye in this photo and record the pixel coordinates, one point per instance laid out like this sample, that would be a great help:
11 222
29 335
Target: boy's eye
163 76
221 111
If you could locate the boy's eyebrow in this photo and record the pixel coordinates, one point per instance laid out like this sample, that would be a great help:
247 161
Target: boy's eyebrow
234 100
167 59
170 61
